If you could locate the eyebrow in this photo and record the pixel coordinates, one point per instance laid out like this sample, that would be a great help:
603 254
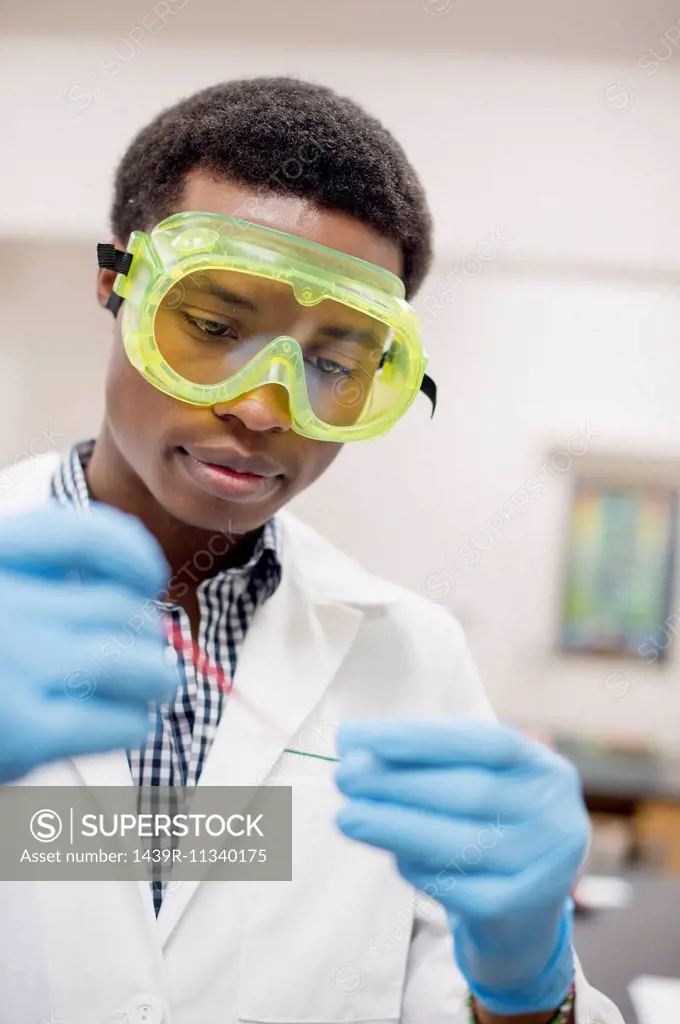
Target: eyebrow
351 334
230 298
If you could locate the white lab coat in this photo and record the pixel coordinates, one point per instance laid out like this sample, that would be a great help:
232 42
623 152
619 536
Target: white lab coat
347 939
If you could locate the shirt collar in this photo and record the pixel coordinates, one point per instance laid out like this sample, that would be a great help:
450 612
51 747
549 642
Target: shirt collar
69 487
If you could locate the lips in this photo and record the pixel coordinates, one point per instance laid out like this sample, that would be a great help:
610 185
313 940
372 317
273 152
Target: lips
231 476
237 462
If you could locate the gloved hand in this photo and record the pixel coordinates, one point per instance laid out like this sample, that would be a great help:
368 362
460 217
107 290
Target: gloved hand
69 585
491 825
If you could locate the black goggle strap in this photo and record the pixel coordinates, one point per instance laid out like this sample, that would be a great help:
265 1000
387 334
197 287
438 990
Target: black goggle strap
429 389
118 260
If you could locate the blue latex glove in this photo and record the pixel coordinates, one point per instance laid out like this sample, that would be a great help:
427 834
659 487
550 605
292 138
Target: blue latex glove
69 586
490 824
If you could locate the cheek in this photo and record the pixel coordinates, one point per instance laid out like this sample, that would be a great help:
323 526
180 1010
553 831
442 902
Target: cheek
317 457
135 409
121 376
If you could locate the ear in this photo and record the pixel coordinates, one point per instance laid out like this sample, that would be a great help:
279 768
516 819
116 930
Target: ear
105 278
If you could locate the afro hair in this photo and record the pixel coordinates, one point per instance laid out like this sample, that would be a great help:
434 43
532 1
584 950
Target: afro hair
284 135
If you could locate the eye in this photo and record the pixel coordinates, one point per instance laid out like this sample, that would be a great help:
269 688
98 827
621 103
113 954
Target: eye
329 368
210 328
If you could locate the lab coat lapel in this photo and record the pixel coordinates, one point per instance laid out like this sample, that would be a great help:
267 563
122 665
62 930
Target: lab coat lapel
292 650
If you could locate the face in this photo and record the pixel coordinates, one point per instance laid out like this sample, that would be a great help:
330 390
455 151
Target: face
234 465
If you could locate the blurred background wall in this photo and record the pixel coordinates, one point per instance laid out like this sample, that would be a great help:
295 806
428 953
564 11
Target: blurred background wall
546 136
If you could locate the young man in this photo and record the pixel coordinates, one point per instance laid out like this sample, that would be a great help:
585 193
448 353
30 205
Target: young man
266 234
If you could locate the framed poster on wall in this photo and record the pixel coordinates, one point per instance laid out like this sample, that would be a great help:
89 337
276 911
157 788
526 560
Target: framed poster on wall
620 568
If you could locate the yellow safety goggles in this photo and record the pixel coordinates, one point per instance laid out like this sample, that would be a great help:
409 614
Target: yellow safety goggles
216 307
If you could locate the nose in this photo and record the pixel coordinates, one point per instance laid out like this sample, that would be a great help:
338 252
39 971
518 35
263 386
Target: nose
262 409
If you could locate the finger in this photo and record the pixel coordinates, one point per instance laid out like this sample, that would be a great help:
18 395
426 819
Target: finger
72 730
438 843
442 741
492 895
139 675
465 792
106 544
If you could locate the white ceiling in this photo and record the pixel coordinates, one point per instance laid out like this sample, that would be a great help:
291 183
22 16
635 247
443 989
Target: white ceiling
619 30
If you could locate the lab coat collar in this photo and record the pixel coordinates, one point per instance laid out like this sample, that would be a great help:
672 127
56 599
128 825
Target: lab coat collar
328 575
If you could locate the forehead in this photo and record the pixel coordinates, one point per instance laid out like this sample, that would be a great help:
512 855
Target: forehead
292 214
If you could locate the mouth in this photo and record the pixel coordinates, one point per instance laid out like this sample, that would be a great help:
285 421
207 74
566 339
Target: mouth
228 474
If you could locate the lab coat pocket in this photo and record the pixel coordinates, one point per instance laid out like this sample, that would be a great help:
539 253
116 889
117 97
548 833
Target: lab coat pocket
318 1020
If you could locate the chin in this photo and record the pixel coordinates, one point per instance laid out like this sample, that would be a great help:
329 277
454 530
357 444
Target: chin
219 517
